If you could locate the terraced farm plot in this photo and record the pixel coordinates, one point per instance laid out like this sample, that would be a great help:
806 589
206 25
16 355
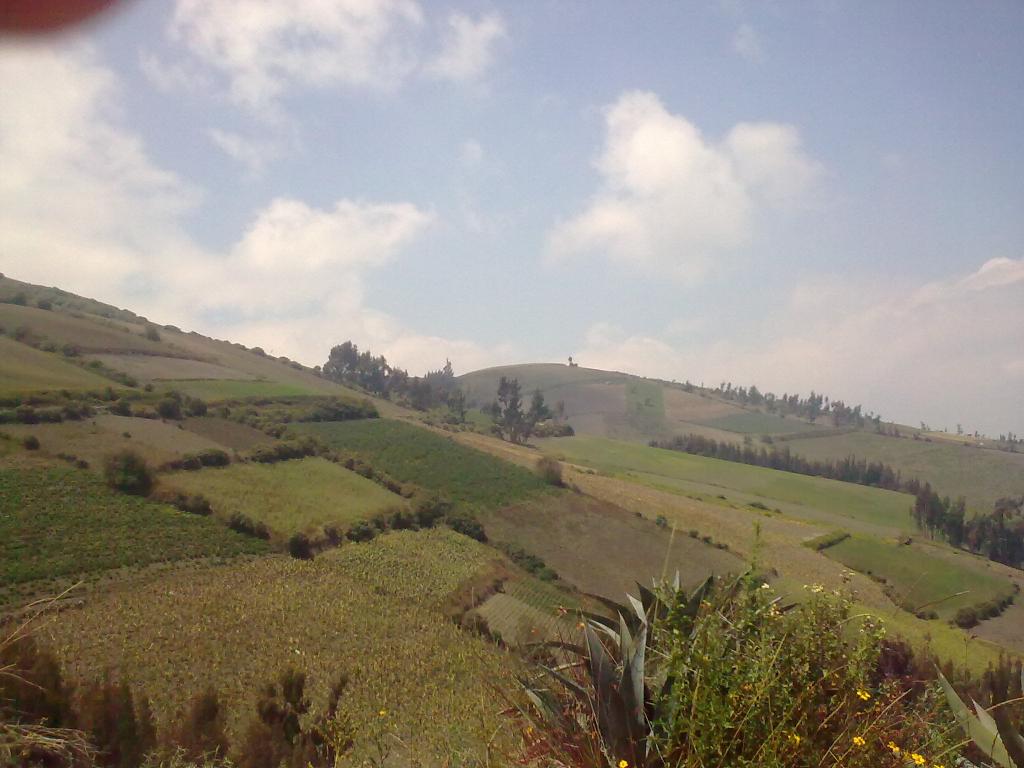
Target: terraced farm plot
920 579
981 475
289 496
214 390
755 422
61 522
24 369
93 439
230 434
158 368
602 549
233 627
414 455
840 505
89 334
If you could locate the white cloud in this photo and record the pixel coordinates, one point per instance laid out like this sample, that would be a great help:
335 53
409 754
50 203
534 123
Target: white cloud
265 48
945 352
747 43
471 154
468 47
253 154
83 207
671 200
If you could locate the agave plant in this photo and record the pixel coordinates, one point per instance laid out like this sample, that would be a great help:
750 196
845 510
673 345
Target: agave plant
614 706
991 730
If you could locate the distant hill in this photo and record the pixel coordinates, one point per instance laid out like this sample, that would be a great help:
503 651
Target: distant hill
57 340
626 407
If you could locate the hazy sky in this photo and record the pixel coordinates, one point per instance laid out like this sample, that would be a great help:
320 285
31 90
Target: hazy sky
822 195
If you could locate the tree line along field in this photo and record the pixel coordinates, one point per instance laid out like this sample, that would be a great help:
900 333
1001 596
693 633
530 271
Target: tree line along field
369 611
813 498
289 496
978 474
416 455
61 522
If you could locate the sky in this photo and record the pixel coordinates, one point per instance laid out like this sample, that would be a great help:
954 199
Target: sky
818 195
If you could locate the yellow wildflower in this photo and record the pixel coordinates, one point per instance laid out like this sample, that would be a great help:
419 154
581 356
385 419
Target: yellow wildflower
623 764
858 741
864 695
918 759
794 739
895 749
383 713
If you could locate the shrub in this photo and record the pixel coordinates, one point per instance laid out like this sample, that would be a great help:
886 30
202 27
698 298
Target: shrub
31 443
361 531
213 457
723 677
120 408
169 408
194 406
550 471
127 471
243 524
661 521
966 617
19 298
152 333
431 509
299 547
467 525
44 304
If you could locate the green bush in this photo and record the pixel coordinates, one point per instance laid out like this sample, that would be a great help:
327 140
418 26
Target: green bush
550 471
169 408
31 443
299 547
127 471
467 525
966 617
361 531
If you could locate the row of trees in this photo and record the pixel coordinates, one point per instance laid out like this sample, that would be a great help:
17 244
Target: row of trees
511 422
372 373
812 407
997 535
849 470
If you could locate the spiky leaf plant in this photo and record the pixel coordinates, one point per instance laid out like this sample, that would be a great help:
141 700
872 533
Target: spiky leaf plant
990 730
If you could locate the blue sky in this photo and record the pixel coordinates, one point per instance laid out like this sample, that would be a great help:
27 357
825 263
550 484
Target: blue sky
800 195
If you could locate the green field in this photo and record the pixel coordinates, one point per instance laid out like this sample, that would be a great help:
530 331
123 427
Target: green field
24 369
981 475
61 522
414 455
230 389
645 406
811 498
920 579
365 610
289 496
89 334
755 422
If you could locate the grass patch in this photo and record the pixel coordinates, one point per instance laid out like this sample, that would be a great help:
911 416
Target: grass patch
289 496
645 406
920 581
59 522
367 610
813 498
981 475
229 389
414 455
24 369
755 422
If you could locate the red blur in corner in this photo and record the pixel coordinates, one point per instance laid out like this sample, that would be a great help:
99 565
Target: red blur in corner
41 16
